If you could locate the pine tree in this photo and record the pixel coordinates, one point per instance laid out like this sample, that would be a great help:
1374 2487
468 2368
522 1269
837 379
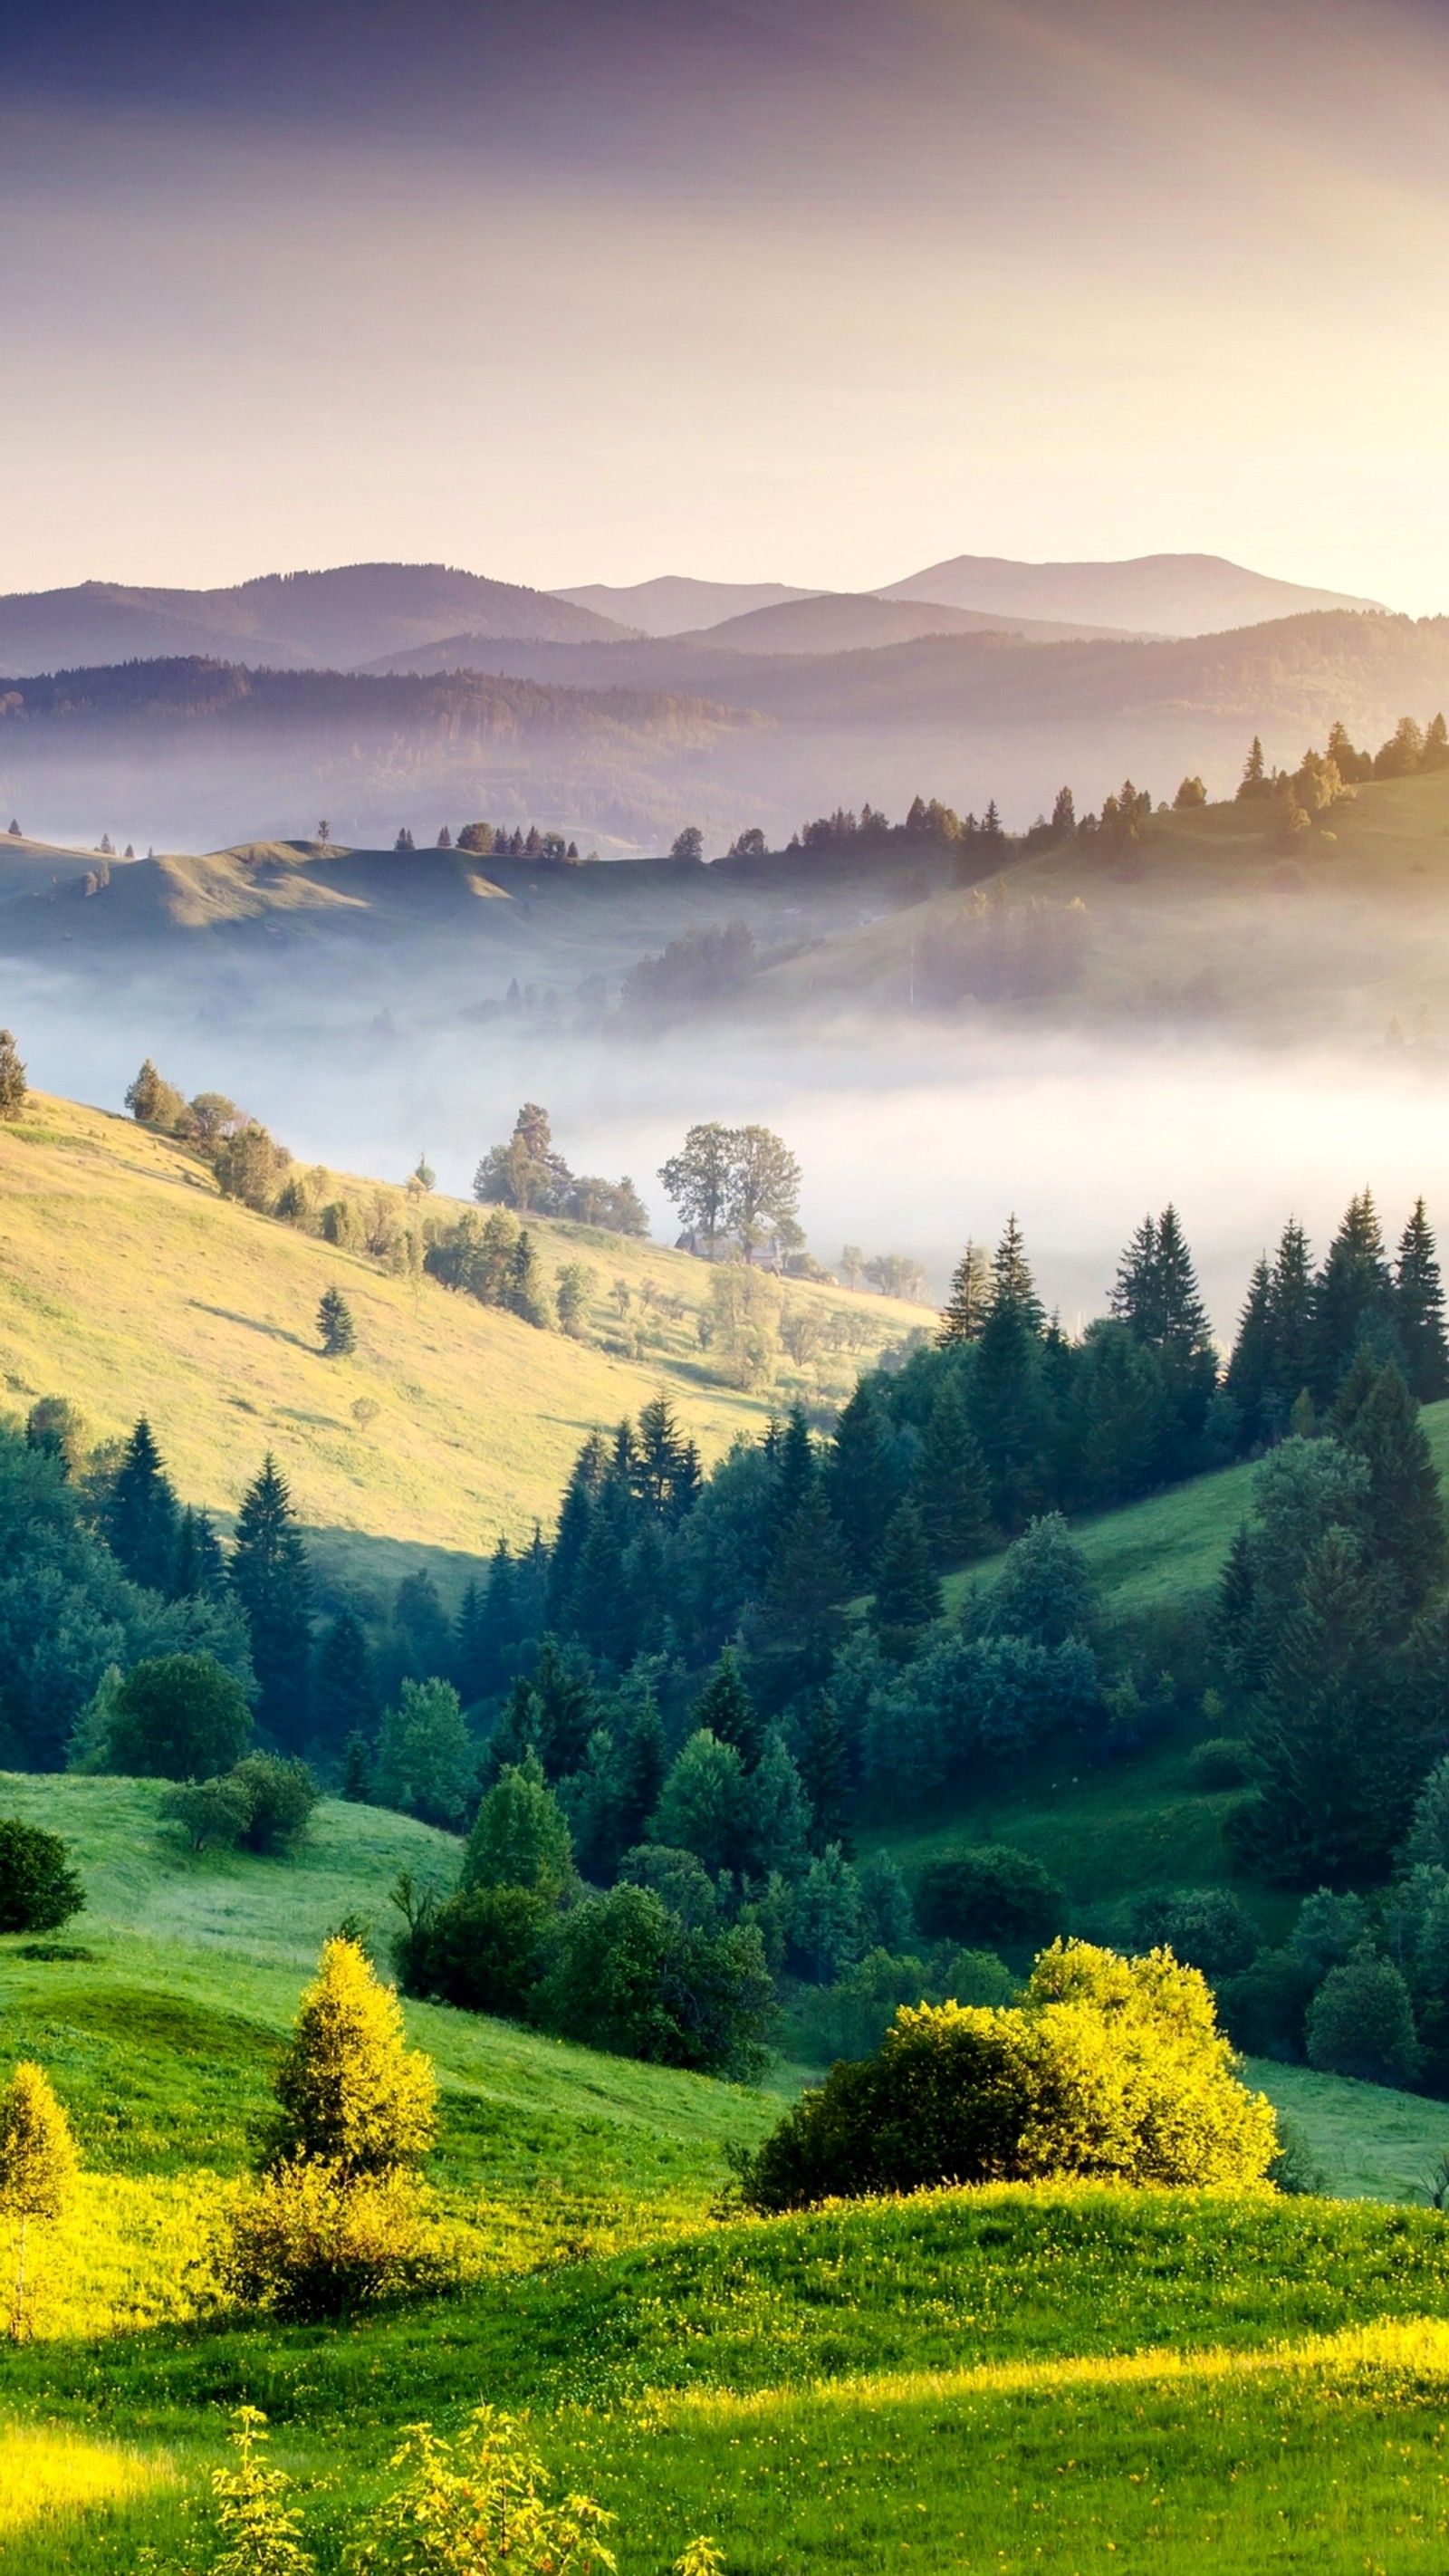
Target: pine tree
567 1708
470 1645
352 2094
198 1570
38 2165
795 1468
1293 1308
1254 781
1157 1297
1353 1294
1007 1407
861 1479
802 1619
907 1592
576 1512
483 1649
344 1696
14 1090
1012 1285
1251 1379
949 1483
141 1517
1406 1512
1323 1732
272 1580
964 1312
1419 1310
724 1706
642 1764
600 1611
335 1328
666 1464
824 1772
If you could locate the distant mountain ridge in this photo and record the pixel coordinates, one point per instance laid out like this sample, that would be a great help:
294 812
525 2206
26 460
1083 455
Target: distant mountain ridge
287 621
677 605
1150 594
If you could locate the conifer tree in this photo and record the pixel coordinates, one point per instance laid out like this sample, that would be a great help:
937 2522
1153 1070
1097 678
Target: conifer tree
949 1483
907 1593
483 1649
471 1659
795 1468
724 1707
1353 1293
1293 1308
526 1294
567 1708
1322 1733
344 1696
141 1517
38 2165
1255 780
1006 1402
14 1090
1251 1378
642 1765
335 1328
802 1620
1419 1310
272 1579
824 1772
964 1312
357 1770
1406 1512
1012 1285
352 2095
666 1465
600 1611
576 1513
861 1478
198 1570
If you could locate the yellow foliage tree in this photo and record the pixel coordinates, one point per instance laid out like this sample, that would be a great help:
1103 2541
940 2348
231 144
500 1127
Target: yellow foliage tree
38 2165
353 2095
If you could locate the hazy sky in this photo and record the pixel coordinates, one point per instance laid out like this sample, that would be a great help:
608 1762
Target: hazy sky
818 290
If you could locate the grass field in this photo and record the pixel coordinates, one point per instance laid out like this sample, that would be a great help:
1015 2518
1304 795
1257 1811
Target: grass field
1015 2379
129 1285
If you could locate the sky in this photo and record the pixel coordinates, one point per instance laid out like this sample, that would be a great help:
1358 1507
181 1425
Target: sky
820 291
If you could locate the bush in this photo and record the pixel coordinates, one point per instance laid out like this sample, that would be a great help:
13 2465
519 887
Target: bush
630 1978
1110 2067
280 1795
1220 1762
212 1814
1361 2022
38 1888
989 1895
309 2244
177 1717
1205 1927
851 2018
484 1949
477 2503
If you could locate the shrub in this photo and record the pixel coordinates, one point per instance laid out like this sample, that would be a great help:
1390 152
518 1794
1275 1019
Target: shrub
1109 2067
37 2167
38 1888
630 1978
177 1717
1361 2022
1220 1762
989 1895
252 2515
212 1814
352 2095
477 2503
280 1795
1206 1927
483 1948
309 2243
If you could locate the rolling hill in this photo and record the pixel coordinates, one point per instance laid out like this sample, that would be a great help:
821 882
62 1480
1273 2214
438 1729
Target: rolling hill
129 1285
331 620
674 604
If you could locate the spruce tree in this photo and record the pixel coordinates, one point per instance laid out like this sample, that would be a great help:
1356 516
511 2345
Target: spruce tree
666 1464
483 1650
824 1772
141 1516
1251 1379
567 1708
1008 1410
335 1328
802 1619
642 1764
726 1709
526 1294
1406 1511
1323 1732
907 1593
949 1483
1419 1310
14 1090
1353 1294
198 1569
1293 1308
272 1579
964 1312
1012 1285
1157 1296
795 1468
470 1645
861 1478
600 1611
344 1696
576 1512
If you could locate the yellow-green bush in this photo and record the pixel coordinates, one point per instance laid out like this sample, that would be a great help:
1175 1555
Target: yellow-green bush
1108 2067
308 2241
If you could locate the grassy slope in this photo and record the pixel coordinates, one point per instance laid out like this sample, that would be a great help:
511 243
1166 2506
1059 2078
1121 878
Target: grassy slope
1205 916
128 1284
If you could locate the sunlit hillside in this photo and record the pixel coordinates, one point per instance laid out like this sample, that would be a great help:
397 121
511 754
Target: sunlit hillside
129 1285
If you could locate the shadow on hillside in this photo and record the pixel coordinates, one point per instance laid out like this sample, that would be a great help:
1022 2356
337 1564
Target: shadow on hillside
253 1324
351 1564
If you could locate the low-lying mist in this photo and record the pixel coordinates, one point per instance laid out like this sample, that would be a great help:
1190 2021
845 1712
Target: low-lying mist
910 1137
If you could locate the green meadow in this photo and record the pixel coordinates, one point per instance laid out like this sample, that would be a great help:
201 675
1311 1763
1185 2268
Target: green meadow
1005 2378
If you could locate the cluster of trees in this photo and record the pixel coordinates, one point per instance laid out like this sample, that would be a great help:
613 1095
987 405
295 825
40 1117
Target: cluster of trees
247 1161
735 1189
528 1174
1000 950
495 841
694 973
1300 1328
